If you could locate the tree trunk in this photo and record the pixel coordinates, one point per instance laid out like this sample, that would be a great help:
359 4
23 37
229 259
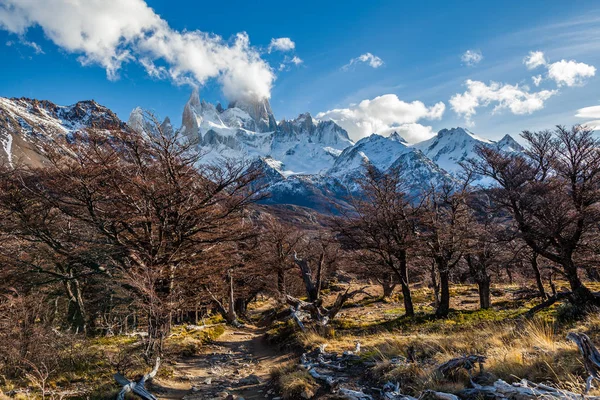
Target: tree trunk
478 271
388 285
408 304
311 289
484 294
444 307
435 285
581 294
231 315
241 306
76 315
281 280
538 276
159 326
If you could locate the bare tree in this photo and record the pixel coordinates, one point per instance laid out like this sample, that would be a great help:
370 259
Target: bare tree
552 194
279 242
381 225
156 210
486 242
442 231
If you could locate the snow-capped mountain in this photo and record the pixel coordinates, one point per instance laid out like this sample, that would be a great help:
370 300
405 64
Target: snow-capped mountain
249 130
23 120
452 146
306 162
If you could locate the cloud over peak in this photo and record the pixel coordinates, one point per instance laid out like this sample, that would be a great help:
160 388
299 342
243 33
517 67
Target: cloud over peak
111 33
384 115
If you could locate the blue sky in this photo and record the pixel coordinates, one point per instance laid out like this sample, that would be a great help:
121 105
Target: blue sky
415 62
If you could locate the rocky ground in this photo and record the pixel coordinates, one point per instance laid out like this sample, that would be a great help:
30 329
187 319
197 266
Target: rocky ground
237 365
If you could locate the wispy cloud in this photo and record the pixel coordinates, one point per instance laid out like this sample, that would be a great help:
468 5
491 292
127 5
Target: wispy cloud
471 57
288 61
372 60
592 114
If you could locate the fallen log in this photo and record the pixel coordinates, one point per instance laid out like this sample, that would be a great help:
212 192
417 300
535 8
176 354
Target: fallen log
523 390
467 363
545 304
591 357
353 394
139 386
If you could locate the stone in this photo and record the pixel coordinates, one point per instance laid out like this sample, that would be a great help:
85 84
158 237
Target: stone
250 380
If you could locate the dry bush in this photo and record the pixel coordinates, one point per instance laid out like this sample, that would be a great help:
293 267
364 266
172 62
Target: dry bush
34 354
294 383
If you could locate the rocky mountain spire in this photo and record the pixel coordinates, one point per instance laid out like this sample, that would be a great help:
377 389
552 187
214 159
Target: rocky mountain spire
189 123
260 112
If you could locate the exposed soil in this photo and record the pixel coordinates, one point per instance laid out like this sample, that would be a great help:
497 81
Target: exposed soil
238 363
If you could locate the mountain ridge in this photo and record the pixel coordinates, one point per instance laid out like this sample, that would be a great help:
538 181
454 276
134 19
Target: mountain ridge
307 162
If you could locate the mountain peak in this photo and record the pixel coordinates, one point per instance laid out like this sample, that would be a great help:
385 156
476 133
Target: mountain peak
260 112
460 132
194 99
396 137
508 143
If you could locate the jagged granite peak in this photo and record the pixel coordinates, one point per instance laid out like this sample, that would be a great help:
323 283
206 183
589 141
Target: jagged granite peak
136 119
166 127
396 136
259 111
189 122
307 162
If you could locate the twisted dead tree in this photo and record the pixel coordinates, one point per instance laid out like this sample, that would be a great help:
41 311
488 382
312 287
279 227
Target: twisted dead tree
139 386
312 283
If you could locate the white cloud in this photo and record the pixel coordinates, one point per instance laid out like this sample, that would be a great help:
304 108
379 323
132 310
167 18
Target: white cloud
111 33
282 44
287 61
570 73
37 49
534 59
472 57
372 60
537 80
385 114
592 114
517 100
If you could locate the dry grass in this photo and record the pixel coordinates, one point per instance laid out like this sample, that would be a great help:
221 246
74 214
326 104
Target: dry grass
515 347
294 383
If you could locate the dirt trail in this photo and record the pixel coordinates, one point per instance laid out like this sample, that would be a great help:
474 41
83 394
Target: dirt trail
238 363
